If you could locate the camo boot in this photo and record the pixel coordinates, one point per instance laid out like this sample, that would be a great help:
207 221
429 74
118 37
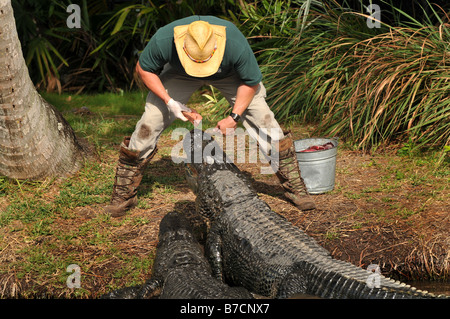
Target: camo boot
129 173
289 175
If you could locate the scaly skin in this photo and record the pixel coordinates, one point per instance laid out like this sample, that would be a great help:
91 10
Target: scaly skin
180 269
251 246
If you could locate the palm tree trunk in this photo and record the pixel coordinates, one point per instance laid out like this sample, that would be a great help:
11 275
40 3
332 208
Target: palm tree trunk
35 140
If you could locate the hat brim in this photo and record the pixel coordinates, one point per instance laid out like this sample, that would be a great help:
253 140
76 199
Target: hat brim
200 69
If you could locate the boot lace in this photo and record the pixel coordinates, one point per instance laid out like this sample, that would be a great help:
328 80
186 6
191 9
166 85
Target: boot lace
289 171
123 189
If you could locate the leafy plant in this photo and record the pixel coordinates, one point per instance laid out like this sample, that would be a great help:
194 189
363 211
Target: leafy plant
366 85
212 98
36 30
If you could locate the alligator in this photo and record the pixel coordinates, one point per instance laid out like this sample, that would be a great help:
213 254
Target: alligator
250 245
180 269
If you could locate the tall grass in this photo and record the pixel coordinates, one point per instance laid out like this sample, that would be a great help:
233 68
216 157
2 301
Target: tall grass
394 85
370 86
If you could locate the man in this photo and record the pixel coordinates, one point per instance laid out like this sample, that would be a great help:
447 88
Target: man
179 59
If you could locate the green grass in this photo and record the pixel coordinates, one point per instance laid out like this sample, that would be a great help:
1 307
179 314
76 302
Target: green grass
105 104
42 231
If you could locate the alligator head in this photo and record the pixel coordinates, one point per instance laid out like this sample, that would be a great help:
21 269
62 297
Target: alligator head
202 151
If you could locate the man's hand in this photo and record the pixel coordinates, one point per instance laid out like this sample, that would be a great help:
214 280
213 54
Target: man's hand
226 126
176 108
194 117
244 96
184 113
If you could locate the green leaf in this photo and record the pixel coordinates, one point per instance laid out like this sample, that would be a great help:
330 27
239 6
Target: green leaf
120 21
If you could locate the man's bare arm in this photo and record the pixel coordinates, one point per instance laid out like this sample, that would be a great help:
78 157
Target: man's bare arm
153 82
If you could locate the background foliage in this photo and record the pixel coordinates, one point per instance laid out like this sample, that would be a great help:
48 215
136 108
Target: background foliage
368 85
321 62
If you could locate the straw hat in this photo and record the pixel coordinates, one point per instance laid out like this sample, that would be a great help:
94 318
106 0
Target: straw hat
200 47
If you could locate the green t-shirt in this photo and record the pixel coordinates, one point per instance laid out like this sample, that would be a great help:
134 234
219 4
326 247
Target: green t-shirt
238 55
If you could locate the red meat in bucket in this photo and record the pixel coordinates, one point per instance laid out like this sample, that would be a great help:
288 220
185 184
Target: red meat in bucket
316 148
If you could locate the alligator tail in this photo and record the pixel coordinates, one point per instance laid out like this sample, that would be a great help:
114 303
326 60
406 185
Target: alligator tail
345 281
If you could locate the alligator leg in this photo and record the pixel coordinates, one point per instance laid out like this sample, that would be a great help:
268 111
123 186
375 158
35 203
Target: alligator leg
214 252
150 289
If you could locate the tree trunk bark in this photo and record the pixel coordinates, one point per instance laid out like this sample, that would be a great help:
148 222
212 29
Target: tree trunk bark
35 140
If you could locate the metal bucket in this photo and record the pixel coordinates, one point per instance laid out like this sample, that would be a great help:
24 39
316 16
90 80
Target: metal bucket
318 168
